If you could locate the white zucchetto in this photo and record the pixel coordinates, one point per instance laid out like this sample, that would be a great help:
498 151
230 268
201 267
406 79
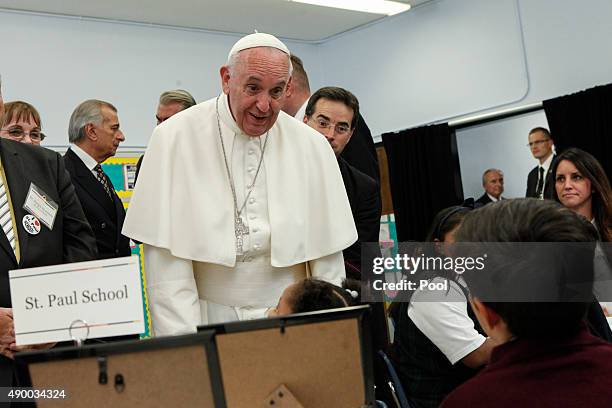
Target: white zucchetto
257 40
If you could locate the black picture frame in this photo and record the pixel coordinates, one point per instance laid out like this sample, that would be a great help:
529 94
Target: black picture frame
204 338
361 313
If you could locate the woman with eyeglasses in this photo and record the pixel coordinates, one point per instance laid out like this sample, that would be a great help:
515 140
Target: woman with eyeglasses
582 186
21 122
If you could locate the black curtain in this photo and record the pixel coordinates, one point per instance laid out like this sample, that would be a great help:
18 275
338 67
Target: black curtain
583 120
424 175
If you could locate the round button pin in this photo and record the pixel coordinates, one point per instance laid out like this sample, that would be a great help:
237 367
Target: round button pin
31 224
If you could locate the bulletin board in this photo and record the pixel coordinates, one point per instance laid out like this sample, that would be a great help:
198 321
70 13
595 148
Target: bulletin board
122 173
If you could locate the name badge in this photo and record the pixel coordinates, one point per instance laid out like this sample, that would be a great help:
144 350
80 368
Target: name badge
41 206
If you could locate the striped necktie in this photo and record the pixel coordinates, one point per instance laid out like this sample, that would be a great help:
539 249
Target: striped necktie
102 179
6 220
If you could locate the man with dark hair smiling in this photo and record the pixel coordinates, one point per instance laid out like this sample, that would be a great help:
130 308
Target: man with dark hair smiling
333 112
360 152
547 357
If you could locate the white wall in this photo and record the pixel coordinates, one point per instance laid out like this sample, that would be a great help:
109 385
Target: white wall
450 58
439 60
55 63
567 45
444 59
501 145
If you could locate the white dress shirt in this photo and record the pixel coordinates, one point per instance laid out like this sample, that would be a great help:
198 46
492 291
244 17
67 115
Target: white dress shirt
87 160
545 166
493 199
302 111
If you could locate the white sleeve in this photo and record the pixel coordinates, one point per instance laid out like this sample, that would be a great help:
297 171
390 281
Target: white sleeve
172 292
330 268
446 324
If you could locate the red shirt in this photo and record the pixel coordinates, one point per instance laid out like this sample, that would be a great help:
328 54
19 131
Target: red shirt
572 372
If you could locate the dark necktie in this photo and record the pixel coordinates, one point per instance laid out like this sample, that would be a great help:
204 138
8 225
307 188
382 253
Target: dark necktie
102 179
540 185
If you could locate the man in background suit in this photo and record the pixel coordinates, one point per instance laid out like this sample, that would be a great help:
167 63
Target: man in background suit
540 181
333 112
25 239
170 103
493 183
359 152
95 134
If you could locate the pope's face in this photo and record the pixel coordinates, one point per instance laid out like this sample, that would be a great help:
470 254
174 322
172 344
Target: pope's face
256 87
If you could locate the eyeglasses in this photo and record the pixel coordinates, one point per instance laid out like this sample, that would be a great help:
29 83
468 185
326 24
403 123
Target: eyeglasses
537 142
340 129
17 133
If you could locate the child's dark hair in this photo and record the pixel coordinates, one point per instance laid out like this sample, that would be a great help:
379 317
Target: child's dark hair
312 294
445 221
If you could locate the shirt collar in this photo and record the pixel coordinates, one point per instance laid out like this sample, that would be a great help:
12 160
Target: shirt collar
547 162
493 198
226 115
89 161
524 349
302 111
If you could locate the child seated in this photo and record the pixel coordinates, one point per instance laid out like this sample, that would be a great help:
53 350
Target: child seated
309 295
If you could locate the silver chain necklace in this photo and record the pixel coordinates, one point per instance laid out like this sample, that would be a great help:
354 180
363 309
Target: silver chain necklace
240 227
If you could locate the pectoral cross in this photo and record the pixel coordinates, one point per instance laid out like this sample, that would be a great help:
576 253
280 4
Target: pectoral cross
240 230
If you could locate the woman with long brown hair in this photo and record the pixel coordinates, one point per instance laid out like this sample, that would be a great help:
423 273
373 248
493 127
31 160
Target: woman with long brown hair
581 184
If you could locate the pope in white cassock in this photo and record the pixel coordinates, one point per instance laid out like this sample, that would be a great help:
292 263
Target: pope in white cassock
237 200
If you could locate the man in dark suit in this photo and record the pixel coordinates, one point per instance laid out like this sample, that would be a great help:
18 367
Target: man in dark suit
25 239
333 112
360 151
493 183
540 181
95 134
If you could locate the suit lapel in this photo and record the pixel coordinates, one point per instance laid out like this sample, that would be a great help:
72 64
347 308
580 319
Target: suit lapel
90 184
18 186
549 180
